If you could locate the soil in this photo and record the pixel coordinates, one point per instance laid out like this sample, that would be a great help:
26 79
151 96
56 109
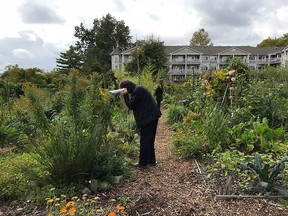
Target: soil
173 187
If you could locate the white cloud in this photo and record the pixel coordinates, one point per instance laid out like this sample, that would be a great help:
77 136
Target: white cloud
42 29
22 54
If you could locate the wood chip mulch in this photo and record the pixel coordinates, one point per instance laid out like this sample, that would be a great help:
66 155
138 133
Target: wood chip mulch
178 187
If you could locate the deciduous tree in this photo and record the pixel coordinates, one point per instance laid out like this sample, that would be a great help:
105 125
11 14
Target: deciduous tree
148 52
275 42
97 43
200 38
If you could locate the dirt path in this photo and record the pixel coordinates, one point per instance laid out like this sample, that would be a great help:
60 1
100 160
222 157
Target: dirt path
175 187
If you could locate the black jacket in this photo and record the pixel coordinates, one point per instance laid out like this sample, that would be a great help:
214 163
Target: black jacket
144 107
158 93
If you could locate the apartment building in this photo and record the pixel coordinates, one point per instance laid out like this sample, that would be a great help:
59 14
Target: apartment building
184 61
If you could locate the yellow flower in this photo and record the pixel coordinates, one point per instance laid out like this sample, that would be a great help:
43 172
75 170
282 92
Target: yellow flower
119 208
97 198
99 211
72 210
69 204
221 75
50 201
112 214
63 210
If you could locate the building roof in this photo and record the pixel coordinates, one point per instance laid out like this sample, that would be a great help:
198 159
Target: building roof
213 50
116 51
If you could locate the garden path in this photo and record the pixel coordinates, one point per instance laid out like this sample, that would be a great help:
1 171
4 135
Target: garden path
177 187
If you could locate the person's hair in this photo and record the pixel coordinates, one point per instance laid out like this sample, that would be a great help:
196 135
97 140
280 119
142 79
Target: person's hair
128 84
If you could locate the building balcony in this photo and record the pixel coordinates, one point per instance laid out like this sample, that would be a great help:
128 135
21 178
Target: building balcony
188 72
258 61
275 60
193 61
177 61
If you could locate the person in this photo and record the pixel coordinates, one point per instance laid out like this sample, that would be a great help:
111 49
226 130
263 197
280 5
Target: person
146 114
158 94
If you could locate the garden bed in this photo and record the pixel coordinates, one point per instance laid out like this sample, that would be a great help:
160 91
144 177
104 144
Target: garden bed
173 187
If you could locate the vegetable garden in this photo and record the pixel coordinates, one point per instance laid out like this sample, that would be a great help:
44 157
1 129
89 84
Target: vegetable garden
56 138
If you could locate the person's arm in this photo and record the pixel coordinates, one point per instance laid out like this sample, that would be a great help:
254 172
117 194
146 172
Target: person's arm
132 101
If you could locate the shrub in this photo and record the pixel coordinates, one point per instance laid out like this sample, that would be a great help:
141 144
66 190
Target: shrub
176 113
18 172
73 145
187 146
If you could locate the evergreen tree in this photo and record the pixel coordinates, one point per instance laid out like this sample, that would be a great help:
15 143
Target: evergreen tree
68 60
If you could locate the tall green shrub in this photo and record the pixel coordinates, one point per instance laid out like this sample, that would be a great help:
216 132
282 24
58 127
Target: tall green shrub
70 146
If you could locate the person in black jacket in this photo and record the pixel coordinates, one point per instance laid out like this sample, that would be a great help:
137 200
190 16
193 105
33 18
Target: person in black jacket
146 114
159 94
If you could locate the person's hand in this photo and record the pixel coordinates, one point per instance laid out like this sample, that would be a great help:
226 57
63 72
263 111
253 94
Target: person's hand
125 91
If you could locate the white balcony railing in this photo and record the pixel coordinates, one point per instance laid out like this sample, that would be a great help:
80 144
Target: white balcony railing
183 72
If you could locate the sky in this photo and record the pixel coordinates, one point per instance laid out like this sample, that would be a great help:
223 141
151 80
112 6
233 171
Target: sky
34 32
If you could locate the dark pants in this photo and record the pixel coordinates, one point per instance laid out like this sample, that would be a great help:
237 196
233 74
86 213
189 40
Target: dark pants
159 103
147 138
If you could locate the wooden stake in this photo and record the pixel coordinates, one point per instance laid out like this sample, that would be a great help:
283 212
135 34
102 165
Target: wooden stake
198 166
228 197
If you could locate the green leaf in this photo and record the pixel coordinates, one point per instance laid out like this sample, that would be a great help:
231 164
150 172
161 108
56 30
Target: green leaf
257 163
264 184
281 190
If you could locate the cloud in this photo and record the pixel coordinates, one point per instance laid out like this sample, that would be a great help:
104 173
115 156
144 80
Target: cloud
36 13
28 53
22 54
119 5
235 22
153 17
40 30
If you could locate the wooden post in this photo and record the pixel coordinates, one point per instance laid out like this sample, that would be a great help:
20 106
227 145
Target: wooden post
228 197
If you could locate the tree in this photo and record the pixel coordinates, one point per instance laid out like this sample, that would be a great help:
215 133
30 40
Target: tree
69 59
276 42
15 74
200 38
97 43
148 52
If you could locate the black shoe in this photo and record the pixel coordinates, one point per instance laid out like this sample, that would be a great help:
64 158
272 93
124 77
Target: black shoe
139 166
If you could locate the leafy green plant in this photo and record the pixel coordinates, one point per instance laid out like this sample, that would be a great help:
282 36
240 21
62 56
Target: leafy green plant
74 144
7 134
176 113
225 163
266 174
256 135
267 135
216 126
18 172
189 146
